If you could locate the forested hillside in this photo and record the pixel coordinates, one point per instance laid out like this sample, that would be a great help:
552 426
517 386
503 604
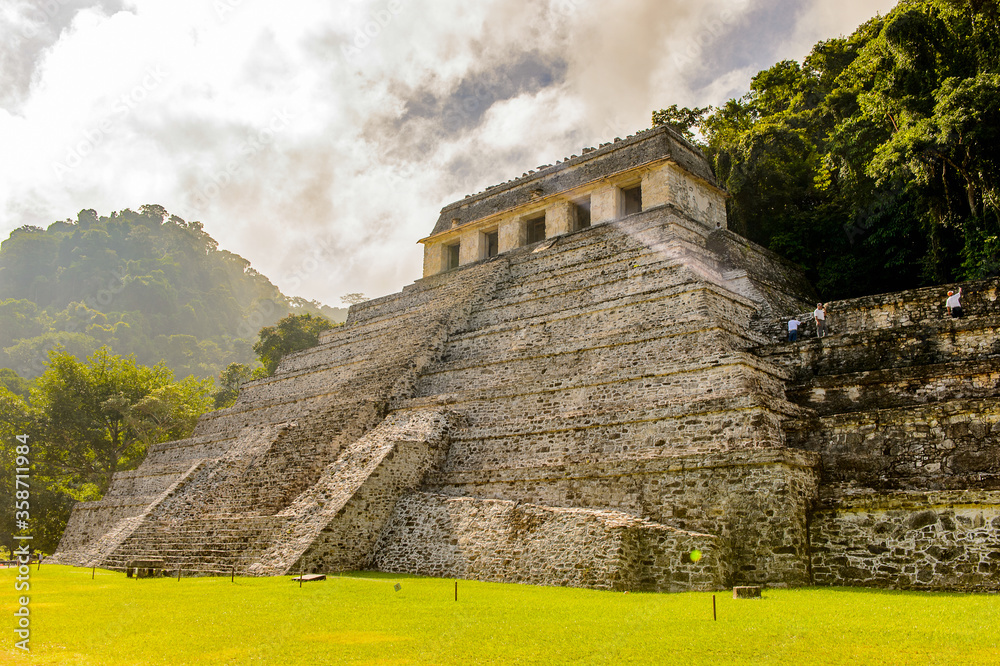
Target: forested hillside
874 162
145 283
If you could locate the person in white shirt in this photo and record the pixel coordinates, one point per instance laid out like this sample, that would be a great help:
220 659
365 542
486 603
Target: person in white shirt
793 329
819 314
954 303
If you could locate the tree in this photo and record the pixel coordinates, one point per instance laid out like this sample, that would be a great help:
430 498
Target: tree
681 119
353 298
49 508
169 412
143 283
99 417
15 383
291 334
873 162
83 423
231 379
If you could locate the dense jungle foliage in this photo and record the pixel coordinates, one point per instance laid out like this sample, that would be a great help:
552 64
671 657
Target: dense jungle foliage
142 283
875 162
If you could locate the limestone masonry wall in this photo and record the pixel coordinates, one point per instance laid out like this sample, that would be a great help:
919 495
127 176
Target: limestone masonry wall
510 542
755 501
914 540
338 521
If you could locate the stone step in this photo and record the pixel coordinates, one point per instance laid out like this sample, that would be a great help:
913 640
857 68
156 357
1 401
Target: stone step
936 342
587 244
647 232
690 411
585 295
301 383
610 268
906 308
532 352
215 446
638 265
944 445
282 409
374 329
583 320
335 355
150 479
186 451
197 544
581 382
436 293
390 347
354 495
899 387
701 426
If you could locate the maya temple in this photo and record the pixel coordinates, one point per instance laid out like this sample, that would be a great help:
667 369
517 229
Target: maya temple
590 383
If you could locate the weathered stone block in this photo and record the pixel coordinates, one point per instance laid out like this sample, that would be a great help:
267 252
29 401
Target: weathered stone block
746 592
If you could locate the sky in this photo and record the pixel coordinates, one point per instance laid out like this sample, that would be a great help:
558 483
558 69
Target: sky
319 139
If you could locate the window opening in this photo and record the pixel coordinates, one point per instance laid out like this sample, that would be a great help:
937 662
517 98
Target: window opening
492 244
453 255
536 229
581 213
632 200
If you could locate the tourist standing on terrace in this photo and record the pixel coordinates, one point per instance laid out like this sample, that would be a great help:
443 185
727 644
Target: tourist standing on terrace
954 303
819 314
793 329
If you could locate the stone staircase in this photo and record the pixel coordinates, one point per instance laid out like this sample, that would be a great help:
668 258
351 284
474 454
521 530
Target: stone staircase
227 496
213 545
593 323
333 526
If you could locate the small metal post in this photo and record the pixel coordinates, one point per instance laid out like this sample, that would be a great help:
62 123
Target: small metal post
713 608
93 572
232 576
456 590
178 574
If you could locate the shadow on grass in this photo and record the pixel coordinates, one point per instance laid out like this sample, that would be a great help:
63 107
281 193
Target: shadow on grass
380 575
882 591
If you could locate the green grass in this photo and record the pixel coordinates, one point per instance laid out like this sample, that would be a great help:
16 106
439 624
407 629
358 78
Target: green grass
361 619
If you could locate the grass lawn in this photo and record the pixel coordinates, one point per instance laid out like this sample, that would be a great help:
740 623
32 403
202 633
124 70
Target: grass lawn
361 619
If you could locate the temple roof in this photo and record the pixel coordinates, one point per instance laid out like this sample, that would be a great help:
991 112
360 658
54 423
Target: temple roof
594 163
